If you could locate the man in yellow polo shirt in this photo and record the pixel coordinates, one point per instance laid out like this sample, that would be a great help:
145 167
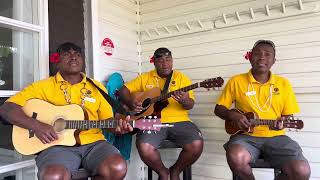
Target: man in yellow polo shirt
70 86
184 133
270 97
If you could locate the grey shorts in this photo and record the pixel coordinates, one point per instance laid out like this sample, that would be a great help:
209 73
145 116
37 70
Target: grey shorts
87 156
181 133
276 150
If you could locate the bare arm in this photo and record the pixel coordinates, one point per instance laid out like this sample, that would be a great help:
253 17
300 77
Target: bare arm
14 114
125 96
127 99
188 104
222 112
184 99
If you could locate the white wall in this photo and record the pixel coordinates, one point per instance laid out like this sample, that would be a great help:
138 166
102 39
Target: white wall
203 46
117 20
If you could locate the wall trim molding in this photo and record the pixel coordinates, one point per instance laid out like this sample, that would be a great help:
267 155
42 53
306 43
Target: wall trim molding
252 15
282 10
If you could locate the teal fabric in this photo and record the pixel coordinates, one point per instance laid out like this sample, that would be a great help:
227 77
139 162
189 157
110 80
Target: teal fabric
122 142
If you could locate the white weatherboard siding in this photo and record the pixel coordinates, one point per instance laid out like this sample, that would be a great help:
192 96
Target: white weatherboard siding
203 46
117 20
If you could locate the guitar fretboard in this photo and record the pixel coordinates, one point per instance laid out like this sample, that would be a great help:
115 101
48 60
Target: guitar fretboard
168 95
87 124
268 122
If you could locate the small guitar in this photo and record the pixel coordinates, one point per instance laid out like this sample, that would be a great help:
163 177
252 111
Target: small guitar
66 120
153 101
232 128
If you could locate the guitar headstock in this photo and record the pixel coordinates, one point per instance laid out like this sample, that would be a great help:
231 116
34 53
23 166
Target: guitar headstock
148 123
292 122
212 83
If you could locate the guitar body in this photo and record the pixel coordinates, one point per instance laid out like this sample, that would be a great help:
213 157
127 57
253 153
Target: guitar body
148 107
158 106
25 142
232 128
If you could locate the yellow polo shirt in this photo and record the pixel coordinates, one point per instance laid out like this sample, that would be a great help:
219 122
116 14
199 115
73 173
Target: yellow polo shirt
246 93
49 90
174 112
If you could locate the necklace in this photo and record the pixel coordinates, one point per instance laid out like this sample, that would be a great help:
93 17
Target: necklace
84 93
267 104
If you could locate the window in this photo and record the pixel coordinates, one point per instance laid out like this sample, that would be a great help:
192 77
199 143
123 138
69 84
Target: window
22 10
19 55
23 44
24 55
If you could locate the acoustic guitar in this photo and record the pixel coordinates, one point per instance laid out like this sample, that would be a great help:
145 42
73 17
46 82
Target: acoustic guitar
66 121
232 128
153 101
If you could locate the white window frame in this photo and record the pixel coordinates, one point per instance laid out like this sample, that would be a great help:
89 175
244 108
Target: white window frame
43 49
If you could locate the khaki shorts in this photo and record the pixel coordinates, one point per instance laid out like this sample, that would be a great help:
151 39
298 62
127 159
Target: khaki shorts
181 133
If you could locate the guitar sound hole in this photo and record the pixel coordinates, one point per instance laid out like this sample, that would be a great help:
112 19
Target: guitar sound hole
146 103
59 125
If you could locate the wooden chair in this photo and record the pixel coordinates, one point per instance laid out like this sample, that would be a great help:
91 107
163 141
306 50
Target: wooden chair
187 173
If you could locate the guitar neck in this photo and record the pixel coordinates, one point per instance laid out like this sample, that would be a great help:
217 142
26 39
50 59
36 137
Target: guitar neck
268 122
168 95
87 124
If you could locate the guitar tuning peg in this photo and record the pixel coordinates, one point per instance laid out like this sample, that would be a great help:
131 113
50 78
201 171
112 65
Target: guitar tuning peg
149 132
149 117
155 117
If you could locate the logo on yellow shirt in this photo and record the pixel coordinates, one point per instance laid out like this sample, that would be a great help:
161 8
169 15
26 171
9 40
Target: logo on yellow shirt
276 91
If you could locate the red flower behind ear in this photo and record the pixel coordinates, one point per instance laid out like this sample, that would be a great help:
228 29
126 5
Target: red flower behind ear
248 55
152 59
54 58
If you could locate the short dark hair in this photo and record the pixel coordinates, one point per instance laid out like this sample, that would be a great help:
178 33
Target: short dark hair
268 42
161 51
68 46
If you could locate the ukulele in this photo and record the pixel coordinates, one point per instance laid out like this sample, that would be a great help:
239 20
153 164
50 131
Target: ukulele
232 128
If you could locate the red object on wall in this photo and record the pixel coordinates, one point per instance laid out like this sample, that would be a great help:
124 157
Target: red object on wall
107 46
